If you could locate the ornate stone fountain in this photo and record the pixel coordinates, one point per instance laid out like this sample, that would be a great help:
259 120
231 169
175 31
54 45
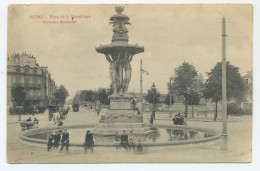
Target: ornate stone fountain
119 54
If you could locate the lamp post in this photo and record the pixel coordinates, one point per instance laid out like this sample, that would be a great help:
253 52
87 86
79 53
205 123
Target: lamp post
19 107
141 85
224 89
170 86
153 88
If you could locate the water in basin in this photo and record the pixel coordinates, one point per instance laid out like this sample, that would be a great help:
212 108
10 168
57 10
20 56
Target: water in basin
161 135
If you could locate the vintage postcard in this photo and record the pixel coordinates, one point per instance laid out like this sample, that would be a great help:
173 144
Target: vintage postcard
129 83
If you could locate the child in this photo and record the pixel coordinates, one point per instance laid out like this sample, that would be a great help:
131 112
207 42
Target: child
139 146
117 140
131 140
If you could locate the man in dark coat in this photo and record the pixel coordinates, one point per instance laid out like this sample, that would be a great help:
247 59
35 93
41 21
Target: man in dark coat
124 140
175 120
57 138
65 140
50 143
181 120
88 141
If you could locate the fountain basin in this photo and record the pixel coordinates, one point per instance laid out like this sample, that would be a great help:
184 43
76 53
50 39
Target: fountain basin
166 135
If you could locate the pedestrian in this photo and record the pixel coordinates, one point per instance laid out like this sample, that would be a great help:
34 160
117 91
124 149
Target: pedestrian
57 138
151 119
139 146
175 120
181 120
98 111
35 123
60 123
153 114
29 119
50 143
124 140
131 140
89 142
117 140
33 110
65 140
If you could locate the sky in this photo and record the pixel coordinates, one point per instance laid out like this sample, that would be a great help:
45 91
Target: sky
170 34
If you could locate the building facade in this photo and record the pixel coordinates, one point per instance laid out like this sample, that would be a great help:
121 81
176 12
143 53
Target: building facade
23 70
248 103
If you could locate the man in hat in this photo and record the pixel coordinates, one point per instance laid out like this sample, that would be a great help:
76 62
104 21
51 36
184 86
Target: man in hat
175 120
57 138
50 142
88 141
65 140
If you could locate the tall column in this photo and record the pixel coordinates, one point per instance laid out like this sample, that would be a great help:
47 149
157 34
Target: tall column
141 86
224 89
170 86
121 91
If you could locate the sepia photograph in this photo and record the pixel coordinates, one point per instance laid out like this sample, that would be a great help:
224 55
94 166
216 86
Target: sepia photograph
129 83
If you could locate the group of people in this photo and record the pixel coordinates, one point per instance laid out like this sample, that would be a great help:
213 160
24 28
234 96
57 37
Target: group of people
56 138
179 120
127 141
34 122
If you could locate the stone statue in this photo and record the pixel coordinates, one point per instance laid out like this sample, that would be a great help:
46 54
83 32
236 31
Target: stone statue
128 72
113 69
113 76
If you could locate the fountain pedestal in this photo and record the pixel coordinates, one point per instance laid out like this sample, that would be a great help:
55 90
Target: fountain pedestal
119 54
121 116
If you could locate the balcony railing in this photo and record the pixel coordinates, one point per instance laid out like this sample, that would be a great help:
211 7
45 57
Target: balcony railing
26 85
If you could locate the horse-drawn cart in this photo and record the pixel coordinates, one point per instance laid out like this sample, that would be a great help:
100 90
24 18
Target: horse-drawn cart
25 125
52 109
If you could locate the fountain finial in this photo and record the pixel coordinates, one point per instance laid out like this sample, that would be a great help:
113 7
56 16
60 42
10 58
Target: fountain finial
119 9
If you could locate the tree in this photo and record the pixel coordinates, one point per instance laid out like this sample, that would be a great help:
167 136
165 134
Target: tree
60 95
102 95
18 95
185 82
236 86
193 99
167 100
86 95
153 97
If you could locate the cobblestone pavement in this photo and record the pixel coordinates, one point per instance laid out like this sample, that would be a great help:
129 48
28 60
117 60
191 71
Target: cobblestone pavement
239 140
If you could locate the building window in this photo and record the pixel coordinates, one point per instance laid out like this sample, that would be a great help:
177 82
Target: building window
35 71
35 81
18 69
18 79
27 81
26 70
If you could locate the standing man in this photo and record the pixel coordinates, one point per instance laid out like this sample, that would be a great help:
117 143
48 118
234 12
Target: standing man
175 120
98 109
65 140
50 142
33 110
57 138
36 121
88 141
151 119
